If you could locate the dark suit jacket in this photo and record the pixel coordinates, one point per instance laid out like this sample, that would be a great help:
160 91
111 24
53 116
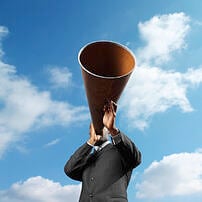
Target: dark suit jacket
106 174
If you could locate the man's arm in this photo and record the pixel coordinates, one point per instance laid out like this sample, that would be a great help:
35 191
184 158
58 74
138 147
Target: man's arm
76 164
131 156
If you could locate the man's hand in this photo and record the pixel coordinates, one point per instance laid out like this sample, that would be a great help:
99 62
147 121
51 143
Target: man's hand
93 137
109 117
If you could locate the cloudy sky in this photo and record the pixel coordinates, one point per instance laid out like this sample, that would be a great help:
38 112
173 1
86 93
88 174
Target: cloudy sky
44 114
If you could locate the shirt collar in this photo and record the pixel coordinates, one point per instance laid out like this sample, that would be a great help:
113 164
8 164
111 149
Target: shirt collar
98 148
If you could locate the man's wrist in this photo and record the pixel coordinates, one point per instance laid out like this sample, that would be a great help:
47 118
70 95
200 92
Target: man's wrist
91 142
116 139
114 131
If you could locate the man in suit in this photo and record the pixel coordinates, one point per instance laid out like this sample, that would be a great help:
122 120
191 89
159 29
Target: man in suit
105 174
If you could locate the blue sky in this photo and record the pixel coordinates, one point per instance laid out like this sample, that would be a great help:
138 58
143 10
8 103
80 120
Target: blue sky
44 114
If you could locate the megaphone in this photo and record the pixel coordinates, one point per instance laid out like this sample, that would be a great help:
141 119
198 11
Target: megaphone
106 67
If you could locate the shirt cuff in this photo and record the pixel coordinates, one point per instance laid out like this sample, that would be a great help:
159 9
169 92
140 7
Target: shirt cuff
90 144
117 138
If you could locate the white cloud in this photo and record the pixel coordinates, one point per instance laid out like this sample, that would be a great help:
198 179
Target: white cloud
151 89
3 32
60 77
163 34
24 107
39 189
175 175
51 143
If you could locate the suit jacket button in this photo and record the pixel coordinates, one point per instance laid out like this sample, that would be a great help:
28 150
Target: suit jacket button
91 195
92 178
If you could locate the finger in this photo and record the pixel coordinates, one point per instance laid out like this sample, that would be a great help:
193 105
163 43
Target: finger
106 108
114 105
111 107
98 137
92 130
113 110
92 126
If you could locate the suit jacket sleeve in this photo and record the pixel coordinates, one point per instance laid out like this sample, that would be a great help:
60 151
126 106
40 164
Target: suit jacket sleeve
76 164
131 156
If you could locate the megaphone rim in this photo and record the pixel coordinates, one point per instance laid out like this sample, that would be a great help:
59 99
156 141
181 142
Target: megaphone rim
107 41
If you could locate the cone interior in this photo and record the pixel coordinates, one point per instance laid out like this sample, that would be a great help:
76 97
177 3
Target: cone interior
107 59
